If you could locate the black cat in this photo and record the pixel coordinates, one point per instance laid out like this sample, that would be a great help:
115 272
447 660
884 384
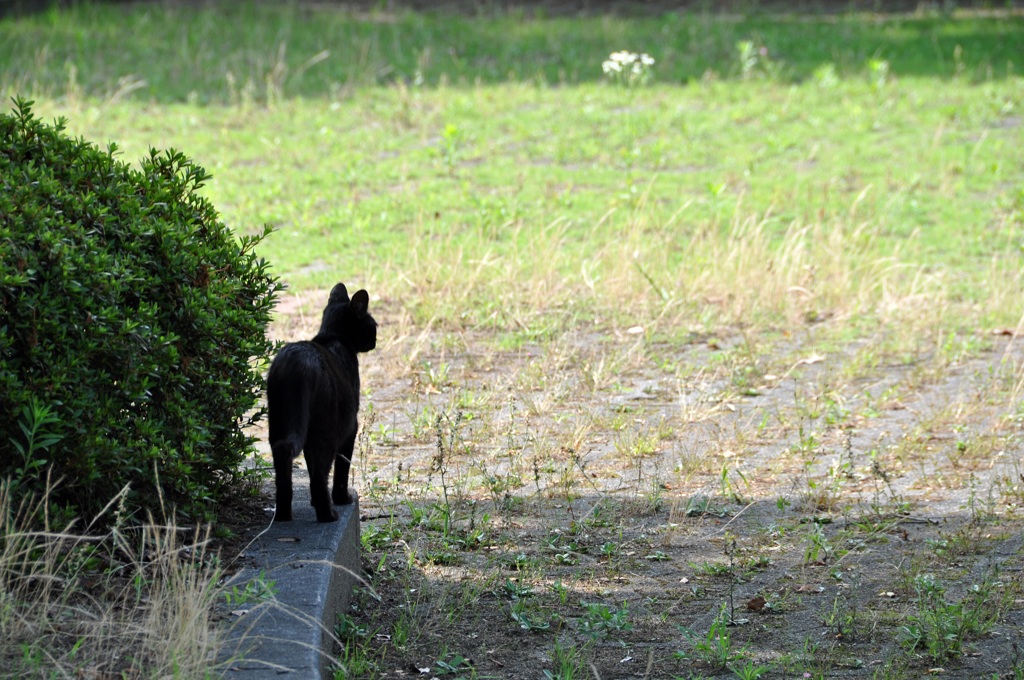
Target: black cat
313 399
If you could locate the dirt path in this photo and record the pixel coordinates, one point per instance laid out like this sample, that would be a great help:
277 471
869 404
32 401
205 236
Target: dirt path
596 502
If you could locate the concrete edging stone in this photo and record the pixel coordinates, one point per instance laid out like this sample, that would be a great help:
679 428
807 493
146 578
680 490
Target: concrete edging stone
314 567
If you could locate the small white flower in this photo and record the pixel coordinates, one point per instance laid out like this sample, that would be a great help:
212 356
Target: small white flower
628 68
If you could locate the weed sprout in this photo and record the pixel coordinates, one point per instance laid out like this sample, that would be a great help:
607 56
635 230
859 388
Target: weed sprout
754 60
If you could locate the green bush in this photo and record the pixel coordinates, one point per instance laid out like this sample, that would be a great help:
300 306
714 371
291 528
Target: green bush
133 325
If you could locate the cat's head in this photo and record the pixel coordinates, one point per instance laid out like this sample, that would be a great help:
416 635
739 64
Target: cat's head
349 320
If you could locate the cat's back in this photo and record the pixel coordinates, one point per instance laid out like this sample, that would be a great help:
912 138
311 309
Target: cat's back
296 356
303 361
312 363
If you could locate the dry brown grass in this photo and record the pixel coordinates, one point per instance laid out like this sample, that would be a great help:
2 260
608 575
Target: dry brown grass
133 601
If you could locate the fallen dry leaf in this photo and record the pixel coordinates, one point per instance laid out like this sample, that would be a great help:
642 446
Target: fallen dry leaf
757 604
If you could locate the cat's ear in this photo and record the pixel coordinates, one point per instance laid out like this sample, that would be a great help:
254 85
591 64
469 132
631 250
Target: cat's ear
338 294
360 301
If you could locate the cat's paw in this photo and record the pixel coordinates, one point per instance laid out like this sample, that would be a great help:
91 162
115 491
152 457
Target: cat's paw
283 515
341 496
329 516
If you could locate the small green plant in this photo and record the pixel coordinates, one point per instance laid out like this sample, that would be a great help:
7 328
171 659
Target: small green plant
817 546
878 73
434 378
749 670
423 421
881 505
566 558
384 435
841 617
375 537
568 663
452 664
715 647
634 445
521 562
941 627
600 620
402 629
517 590
34 425
257 590
354 662
561 591
728 487
356 658
452 140
526 620
442 557
697 506
447 431
347 627
754 60
709 568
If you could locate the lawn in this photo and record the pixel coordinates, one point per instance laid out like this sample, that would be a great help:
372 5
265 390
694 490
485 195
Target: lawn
712 374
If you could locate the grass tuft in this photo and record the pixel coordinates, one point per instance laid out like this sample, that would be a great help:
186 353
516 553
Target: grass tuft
136 601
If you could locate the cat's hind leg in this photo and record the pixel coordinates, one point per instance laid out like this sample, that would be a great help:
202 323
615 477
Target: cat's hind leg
288 403
342 463
284 452
319 463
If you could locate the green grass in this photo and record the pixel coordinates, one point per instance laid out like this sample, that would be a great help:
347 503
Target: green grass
653 195
764 282
172 53
492 170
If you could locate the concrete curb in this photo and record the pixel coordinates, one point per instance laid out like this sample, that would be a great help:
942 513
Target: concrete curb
314 567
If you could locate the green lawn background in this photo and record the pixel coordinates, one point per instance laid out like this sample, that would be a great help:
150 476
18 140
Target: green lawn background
453 161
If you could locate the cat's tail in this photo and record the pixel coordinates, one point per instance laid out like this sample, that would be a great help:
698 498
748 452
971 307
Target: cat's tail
287 439
289 401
